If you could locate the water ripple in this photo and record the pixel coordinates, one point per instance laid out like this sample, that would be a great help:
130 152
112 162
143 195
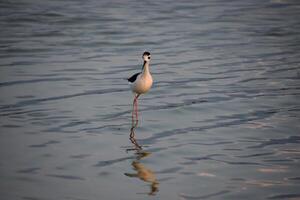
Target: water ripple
282 141
36 101
105 163
223 110
237 119
10 83
66 177
207 196
285 196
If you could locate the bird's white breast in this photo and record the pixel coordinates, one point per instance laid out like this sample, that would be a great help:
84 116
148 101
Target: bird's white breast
142 84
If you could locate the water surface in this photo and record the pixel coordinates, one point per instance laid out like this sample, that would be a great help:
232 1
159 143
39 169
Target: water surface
221 121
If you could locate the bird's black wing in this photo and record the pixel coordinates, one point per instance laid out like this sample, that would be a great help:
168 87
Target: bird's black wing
133 78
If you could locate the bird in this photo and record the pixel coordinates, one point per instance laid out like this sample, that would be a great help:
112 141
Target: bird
140 83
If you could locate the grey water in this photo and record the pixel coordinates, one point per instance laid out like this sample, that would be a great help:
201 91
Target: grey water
220 122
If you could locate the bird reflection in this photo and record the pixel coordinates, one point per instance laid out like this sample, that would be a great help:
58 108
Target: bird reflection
142 172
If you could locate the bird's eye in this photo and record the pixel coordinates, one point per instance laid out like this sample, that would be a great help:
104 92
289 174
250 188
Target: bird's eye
149 57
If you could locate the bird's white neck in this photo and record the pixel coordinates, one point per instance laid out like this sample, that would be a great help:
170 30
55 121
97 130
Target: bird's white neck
146 70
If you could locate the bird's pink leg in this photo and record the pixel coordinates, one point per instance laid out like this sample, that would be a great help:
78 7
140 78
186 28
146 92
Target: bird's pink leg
133 111
133 140
136 109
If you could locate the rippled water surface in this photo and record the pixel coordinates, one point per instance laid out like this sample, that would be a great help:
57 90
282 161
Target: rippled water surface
220 122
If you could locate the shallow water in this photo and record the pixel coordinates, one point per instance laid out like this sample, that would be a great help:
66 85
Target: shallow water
221 121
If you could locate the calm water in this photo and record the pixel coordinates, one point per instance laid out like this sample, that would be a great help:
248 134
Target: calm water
221 121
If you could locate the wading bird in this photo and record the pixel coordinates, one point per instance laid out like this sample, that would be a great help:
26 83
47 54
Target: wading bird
140 83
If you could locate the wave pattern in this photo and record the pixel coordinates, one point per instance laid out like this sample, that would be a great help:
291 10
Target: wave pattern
223 111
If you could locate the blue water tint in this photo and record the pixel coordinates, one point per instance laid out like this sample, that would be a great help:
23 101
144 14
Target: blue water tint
220 122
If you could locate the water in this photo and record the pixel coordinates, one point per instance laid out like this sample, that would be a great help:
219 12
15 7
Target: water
221 121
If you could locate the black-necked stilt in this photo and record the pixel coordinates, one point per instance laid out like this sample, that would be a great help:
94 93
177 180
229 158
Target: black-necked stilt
141 83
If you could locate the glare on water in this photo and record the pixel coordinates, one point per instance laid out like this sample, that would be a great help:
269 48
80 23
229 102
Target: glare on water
221 120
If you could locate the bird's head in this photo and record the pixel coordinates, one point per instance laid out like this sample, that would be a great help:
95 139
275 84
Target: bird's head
146 56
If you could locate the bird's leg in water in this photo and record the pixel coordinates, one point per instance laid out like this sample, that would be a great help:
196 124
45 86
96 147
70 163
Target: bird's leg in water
133 140
135 111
